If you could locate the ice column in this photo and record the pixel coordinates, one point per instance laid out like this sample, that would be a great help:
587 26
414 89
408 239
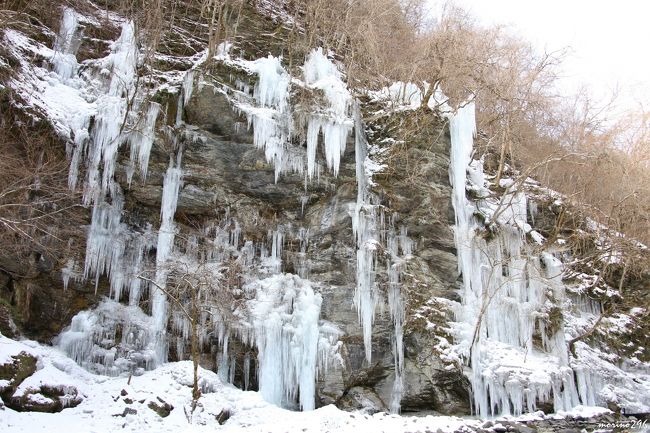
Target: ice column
166 234
364 226
286 332
66 46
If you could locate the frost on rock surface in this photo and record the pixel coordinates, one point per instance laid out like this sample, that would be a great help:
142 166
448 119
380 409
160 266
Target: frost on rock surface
502 327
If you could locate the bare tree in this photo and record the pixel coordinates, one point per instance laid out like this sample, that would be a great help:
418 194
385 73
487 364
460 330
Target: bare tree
201 291
39 215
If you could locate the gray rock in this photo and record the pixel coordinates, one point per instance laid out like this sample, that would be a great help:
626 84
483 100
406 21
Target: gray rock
364 399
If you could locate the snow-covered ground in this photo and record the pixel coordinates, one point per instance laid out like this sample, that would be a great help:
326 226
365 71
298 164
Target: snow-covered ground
118 404
113 404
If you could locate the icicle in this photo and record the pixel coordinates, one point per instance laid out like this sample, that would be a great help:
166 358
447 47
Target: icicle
139 250
223 360
303 263
285 320
66 46
304 199
396 266
166 234
231 375
122 62
320 73
272 88
69 272
247 371
188 86
272 120
365 230
277 244
80 142
142 139
184 96
105 241
93 340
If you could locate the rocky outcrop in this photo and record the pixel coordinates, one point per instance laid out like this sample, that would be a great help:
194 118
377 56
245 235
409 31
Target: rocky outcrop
227 180
44 398
225 167
14 372
225 174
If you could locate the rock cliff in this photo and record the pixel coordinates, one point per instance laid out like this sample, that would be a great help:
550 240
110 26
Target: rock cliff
280 186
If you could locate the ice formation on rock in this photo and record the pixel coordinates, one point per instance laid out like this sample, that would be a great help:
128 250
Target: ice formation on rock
288 365
396 244
66 45
112 248
505 294
365 226
334 122
184 95
141 140
505 287
166 234
271 120
111 339
285 315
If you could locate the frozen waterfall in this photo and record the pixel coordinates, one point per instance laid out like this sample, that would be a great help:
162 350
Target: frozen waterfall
286 331
506 288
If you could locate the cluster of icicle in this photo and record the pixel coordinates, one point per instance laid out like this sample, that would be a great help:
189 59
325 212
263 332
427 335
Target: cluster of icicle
292 345
110 339
504 292
272 124
371 233
272 120
112 248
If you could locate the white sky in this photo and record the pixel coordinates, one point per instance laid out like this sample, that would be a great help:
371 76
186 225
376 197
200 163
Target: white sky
609 40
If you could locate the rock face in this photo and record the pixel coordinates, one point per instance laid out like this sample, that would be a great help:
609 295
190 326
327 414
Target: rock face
41 307
225 174
223 170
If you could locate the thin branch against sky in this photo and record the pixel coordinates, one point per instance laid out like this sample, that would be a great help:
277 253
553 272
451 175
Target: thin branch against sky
607 40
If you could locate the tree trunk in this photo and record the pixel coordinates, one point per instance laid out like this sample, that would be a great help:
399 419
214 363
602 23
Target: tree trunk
196 392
